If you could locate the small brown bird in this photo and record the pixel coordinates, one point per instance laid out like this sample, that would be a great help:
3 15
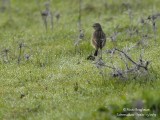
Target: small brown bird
98 38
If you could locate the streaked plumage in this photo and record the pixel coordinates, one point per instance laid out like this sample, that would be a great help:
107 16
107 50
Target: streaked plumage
98 38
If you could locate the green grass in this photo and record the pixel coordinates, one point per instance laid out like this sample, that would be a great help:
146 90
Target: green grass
44 87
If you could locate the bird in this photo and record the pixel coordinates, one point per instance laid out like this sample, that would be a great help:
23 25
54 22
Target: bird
98 38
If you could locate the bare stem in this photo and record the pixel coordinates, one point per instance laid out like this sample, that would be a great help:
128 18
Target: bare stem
129 58
20 52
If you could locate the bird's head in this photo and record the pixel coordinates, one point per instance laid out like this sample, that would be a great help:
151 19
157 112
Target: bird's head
97 26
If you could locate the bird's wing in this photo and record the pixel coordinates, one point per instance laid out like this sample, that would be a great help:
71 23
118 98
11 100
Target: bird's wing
94 39
103 39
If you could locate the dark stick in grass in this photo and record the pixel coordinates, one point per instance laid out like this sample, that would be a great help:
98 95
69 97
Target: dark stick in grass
46 14
20 52
153 18
51 14
57 15
6 57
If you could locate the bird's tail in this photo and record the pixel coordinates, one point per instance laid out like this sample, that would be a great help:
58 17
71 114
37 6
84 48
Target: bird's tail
96 52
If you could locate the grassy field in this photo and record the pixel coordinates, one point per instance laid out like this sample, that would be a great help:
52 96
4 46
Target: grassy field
44 76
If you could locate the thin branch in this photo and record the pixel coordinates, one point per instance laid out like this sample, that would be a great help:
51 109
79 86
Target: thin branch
129 58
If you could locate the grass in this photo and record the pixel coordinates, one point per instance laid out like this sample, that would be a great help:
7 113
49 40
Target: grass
57 83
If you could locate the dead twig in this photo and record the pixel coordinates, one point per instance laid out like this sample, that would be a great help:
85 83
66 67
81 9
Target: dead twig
137 64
